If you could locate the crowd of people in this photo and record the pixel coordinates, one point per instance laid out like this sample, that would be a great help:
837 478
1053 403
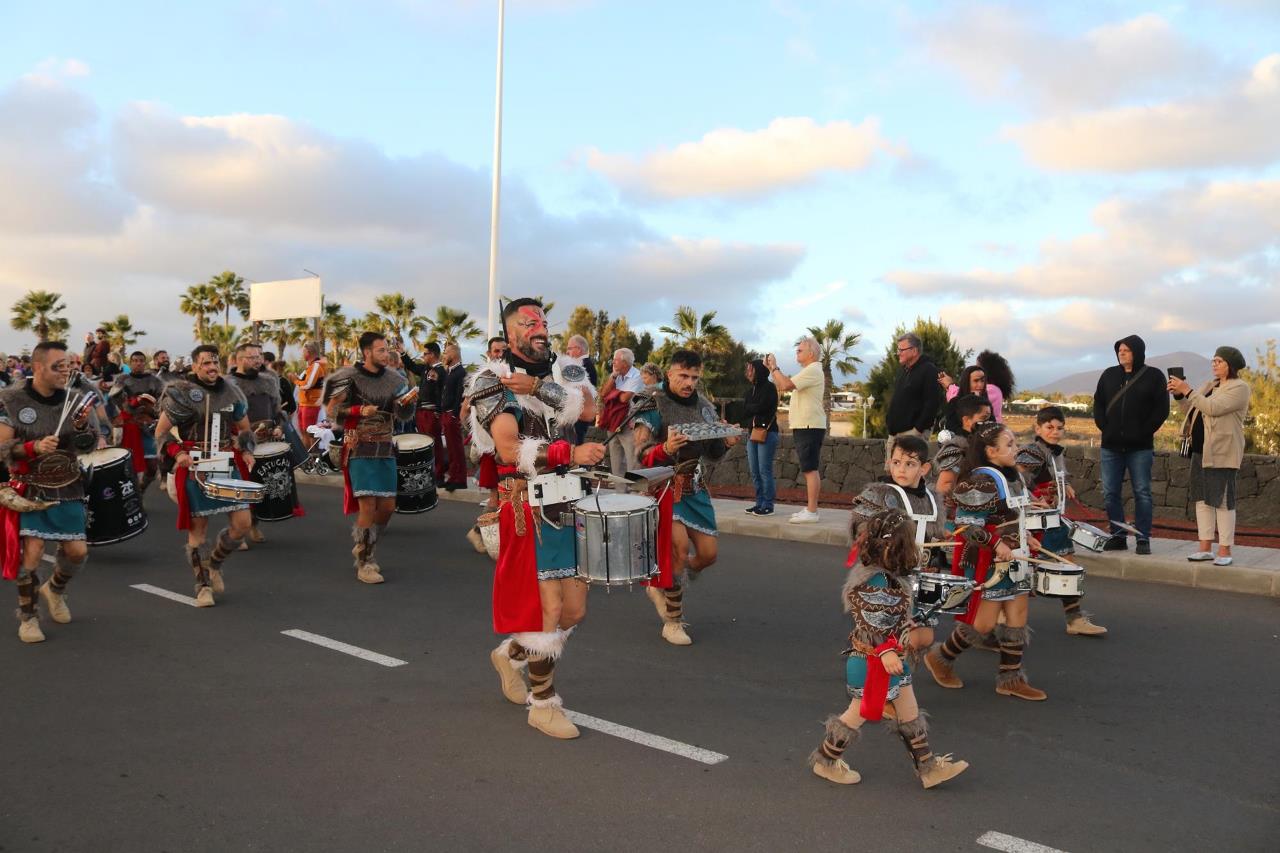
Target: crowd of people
969 529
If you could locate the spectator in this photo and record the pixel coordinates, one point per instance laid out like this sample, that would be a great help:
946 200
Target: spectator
280 369
916 394
160 362
1215 427
97 355
651 375
808 420
615 401
431 385
973 380
761 406
5 376
1130 405
111 368
310 385
451 418
577 348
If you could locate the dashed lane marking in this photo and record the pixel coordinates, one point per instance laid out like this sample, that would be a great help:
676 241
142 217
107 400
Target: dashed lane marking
346 649
1013 844
675 747
164 593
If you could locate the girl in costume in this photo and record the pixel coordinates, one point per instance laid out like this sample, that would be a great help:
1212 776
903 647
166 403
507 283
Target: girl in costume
878 596
987 530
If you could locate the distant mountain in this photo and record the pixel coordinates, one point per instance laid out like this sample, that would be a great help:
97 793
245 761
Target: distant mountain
1197 367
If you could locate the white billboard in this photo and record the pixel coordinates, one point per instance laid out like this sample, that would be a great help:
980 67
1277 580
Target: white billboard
284 300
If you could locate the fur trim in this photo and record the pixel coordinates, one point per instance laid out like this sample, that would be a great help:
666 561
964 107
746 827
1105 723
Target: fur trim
547 644
527 461
1014 636
833 726
1008 677
553 702
912 728
574 402
969 633
505 648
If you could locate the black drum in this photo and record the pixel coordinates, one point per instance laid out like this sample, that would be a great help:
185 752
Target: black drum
273 468
415 473
113 509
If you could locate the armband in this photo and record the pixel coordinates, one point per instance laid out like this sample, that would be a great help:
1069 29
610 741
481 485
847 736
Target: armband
559 453
29 449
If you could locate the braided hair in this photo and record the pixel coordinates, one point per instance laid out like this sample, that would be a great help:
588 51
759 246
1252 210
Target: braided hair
888 540
984 435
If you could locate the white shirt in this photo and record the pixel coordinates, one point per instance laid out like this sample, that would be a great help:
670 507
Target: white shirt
629 382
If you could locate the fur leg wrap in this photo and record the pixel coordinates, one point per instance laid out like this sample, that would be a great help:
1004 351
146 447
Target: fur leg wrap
915 737
225 545
1071 609
64 569
962 637
516 653
364 537
835 741
198 567
1012 643
547 644
27 581
674 601
542 688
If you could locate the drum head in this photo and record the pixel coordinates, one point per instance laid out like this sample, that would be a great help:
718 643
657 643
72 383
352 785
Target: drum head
270 448
412 441
613 503
102 458
239 484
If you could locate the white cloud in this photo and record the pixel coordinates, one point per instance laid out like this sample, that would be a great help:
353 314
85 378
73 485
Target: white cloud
813 297
1236 126
131 211
735 163
1002 51
57 67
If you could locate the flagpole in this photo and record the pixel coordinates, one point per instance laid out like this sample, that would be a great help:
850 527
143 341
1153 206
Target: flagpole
496 201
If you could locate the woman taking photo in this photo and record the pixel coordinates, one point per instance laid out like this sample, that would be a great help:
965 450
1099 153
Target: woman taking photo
1213 434
761 419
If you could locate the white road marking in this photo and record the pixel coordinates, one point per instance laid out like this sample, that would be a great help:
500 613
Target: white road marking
48 558
675 747
164 593
354 651
1013 844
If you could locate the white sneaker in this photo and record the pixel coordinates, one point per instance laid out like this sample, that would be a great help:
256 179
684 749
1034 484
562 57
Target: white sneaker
1222 561
1200 557
803 517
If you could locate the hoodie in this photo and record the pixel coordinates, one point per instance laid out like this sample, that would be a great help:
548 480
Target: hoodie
761 400
1130 424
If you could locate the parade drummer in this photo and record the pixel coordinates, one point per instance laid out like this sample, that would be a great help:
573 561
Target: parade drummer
195 408
367 399
261 390
524 417
136 396
41 434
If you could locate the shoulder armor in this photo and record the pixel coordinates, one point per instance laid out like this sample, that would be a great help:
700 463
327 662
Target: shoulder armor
182 401
487 395
1035 458
950 456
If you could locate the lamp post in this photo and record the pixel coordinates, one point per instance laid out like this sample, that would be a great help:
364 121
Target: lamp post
495 201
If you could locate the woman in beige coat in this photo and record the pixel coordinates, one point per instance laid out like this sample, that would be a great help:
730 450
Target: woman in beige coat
1215 425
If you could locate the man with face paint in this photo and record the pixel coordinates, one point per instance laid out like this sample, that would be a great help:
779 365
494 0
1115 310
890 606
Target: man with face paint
39 441
136 395
367 399
693 519
525 418
192 406
261 390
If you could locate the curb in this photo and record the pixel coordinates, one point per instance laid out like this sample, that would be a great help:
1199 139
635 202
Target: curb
1128 567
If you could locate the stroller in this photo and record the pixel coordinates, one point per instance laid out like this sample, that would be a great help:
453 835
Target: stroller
324 454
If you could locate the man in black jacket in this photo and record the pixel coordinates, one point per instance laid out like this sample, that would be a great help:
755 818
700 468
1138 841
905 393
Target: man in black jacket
427 418
916 393
1130 405
451 418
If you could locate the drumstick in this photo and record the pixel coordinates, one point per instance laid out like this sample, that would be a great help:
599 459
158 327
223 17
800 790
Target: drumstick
1040 549
941 545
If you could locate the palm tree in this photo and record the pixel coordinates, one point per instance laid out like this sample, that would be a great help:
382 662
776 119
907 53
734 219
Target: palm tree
199 301
225 337
38 312
400 315
334 325
701 334
450 324
230 293
121 334
281 333
546 306
835 350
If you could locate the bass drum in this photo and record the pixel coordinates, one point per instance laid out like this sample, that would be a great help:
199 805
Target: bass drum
273 468
415 473
113 504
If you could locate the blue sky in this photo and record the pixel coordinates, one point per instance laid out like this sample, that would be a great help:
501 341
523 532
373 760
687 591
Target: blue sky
1046 178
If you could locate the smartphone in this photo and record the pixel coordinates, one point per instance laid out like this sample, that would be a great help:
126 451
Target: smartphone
1177 373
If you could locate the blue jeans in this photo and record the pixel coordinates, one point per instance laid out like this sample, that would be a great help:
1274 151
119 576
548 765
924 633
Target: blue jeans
1138 464
760 459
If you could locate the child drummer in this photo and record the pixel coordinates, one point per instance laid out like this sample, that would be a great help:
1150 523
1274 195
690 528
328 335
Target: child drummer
909 470
1046 469
878 596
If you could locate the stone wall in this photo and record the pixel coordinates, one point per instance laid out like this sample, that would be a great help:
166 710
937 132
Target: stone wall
849 463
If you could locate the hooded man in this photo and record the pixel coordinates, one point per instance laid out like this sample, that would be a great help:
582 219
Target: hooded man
1130 405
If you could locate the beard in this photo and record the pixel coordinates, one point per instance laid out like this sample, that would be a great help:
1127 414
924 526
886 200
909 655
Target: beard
534 350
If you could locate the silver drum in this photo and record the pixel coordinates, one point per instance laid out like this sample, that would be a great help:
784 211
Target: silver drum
616 538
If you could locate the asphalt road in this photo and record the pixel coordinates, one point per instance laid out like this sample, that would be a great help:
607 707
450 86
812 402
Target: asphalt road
147 725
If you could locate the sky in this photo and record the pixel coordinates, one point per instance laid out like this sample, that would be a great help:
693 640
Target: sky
1044 178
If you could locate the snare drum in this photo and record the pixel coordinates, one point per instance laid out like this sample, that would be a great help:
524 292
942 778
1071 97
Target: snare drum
1060 581
1043 519
114 510
932 588
617 538
415 473
273 468
227 489
1088 536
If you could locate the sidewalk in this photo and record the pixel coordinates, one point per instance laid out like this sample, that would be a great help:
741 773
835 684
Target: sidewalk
1256 570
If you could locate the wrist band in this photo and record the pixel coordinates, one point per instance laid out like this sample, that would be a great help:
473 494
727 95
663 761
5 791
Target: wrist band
29 449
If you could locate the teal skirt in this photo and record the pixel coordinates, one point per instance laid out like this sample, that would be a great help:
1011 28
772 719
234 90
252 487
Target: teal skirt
855 675
556 552
372 478
201 505
62 522
695 512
